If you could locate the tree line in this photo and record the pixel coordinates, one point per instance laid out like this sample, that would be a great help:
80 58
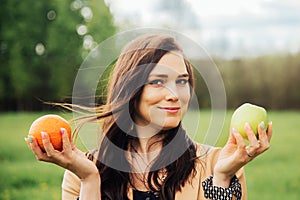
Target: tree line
271 81
43 43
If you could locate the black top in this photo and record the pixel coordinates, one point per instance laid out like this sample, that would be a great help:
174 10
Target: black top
140 195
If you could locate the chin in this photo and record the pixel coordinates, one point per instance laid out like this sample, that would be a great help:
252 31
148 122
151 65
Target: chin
168 126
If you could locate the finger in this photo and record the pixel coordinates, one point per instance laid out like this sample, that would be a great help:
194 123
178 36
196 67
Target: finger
251 137
262 133
270 131
65 140
265 138
47 144
27 141
231 139
241 153
73 145
36 149
238 139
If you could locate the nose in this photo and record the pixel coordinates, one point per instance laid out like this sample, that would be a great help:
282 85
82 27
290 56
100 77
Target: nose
171 93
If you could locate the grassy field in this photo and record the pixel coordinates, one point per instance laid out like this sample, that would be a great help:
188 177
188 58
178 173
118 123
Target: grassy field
274 175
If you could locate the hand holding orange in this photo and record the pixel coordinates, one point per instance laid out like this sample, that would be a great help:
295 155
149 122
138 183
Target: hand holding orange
51 124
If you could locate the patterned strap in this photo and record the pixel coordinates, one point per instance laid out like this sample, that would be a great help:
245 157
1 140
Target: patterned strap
217 193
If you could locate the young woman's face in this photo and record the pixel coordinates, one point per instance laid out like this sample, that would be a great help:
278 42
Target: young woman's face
165 97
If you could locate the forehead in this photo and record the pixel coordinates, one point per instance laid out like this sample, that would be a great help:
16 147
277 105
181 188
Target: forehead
171 62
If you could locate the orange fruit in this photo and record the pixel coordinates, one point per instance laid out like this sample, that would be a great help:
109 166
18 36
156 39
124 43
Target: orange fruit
50 124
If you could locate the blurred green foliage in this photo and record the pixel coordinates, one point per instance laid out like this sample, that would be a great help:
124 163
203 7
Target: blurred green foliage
42 44
271 81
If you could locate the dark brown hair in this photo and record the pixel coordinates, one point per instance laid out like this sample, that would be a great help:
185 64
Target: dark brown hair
125 86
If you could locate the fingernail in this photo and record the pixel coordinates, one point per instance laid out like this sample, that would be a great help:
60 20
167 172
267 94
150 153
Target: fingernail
270 124
30 139
234 130
62 131
247 126
262 125
26 140
43 135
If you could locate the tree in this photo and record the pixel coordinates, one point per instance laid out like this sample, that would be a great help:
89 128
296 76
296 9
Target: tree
41 48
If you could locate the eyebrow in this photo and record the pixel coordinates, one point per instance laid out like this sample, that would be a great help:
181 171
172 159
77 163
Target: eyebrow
166 75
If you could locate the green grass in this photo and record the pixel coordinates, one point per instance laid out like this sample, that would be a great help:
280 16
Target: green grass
21 175
274 175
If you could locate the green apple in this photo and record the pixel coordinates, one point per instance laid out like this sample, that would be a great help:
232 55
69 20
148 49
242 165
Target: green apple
250 113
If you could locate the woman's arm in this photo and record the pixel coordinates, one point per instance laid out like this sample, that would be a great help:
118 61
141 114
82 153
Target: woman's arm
225 182
90 187
71 159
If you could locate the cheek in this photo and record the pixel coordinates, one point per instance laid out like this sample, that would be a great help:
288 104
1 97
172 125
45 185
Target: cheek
151 97
147 100
184 99
184 95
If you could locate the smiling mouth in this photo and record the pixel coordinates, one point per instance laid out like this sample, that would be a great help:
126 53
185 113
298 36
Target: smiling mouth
170 109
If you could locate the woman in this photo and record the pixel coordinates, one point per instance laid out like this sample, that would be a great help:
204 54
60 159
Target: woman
145 153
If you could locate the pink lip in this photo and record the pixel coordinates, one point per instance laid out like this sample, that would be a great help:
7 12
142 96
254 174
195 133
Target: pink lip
170 109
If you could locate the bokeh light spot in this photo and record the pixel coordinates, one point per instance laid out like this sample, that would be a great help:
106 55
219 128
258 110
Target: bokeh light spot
40 49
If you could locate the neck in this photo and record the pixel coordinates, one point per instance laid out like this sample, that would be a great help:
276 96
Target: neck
147 139
144 154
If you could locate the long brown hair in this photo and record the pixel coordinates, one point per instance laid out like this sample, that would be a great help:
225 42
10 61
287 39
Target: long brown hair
128 77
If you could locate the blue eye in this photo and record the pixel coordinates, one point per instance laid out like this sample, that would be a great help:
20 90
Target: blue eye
156 82
182 81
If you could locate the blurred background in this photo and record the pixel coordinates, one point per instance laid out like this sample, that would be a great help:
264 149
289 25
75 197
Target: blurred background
255 45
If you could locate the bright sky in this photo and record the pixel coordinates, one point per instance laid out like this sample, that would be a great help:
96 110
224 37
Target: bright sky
227 28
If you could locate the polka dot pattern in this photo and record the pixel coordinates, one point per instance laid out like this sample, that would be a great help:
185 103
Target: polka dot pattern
219 193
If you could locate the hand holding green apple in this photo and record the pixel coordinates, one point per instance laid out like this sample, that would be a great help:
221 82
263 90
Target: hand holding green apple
248 122
248 113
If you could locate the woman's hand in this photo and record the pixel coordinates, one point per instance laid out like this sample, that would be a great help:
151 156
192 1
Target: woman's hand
69 158
72 159
235 154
